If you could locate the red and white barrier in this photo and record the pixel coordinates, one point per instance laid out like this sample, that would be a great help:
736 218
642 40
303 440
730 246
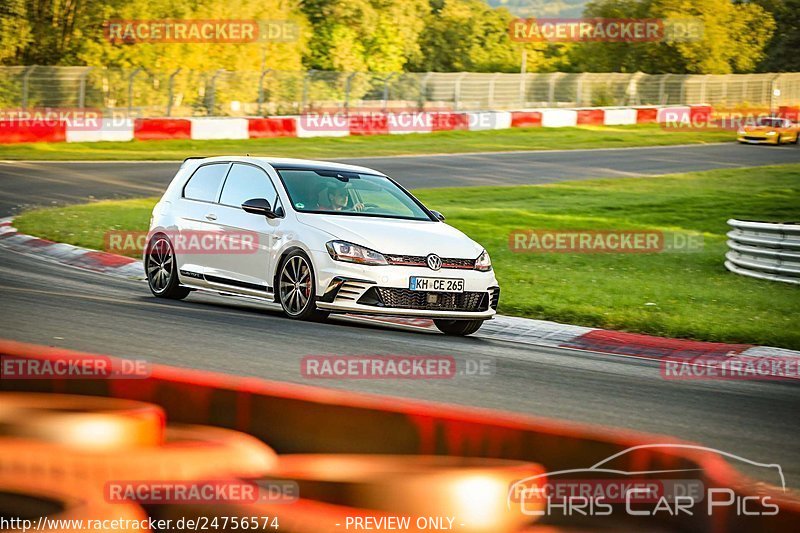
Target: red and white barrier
559 118
590 117
156 129
619 117
260 128
526 119
219 128
489 120
322 126
400 123
333 125
109 129
674 114
12 131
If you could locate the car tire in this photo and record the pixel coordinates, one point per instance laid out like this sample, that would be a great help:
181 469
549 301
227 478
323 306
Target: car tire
161 269
296 288
458 327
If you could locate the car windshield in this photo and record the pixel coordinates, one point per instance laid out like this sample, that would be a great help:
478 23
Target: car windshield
349 193
771 122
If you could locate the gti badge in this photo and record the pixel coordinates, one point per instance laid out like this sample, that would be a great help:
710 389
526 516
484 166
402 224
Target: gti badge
434 261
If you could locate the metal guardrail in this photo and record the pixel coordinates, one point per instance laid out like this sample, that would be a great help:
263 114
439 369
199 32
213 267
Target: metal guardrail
764 250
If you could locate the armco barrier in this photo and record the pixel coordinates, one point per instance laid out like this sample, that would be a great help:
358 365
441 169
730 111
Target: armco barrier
764 250
300 419
261 128
619 117
526 119
12 131
559 118
590 117
219 128
156 129
109 129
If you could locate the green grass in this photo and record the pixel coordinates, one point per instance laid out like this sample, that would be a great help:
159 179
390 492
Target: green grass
688 295
377 145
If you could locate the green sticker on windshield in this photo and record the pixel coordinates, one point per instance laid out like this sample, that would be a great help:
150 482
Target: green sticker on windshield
298 205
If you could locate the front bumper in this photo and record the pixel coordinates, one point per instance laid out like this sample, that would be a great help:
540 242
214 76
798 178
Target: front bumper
758 139
384 290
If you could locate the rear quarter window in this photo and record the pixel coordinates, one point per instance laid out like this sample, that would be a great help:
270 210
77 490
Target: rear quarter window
205 182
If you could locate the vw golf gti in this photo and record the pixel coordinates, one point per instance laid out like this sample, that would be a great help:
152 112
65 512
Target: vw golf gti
318 238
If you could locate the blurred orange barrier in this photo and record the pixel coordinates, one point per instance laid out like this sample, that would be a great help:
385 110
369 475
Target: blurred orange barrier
88 422
189 452
53 509
471 491
302 419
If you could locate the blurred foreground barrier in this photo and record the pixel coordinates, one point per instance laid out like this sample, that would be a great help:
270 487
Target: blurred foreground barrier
377 446
764 250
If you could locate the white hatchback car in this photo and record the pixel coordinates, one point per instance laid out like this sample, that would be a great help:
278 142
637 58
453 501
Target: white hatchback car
318 238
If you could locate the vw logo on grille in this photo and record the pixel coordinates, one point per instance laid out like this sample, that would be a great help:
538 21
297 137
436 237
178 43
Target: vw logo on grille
434 261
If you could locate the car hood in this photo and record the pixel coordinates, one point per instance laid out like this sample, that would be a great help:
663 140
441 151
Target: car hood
396 236
759 129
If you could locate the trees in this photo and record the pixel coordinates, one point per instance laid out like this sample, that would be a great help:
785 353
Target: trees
733 40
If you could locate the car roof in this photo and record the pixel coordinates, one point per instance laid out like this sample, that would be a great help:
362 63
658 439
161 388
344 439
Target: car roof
285 163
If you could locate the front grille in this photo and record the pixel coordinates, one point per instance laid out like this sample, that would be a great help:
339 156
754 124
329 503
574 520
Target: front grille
419 260
751 138
408 299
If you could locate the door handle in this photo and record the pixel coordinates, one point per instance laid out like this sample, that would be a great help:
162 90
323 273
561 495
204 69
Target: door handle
211 216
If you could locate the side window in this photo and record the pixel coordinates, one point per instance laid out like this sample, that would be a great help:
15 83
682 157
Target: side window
246 182
204 183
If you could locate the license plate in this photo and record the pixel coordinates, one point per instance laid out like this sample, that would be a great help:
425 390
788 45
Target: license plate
436 284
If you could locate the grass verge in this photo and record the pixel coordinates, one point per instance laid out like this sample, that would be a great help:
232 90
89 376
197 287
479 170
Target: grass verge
377 145
688 295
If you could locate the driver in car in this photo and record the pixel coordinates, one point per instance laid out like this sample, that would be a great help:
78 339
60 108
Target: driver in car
338 200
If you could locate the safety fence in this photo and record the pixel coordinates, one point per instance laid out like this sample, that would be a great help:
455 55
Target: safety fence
764 250
181 93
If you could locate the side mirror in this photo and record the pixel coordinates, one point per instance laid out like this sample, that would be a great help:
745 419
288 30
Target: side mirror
438 215
259 206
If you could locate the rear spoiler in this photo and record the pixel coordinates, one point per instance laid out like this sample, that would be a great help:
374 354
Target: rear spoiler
191 158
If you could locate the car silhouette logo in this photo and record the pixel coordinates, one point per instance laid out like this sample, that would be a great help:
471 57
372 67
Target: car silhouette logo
434 261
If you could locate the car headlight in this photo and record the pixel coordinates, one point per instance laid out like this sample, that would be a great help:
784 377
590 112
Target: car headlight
483 263
772 133
740 132
353 253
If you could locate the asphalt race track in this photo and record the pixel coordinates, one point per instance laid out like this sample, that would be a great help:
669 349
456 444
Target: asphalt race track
56 305
23 184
